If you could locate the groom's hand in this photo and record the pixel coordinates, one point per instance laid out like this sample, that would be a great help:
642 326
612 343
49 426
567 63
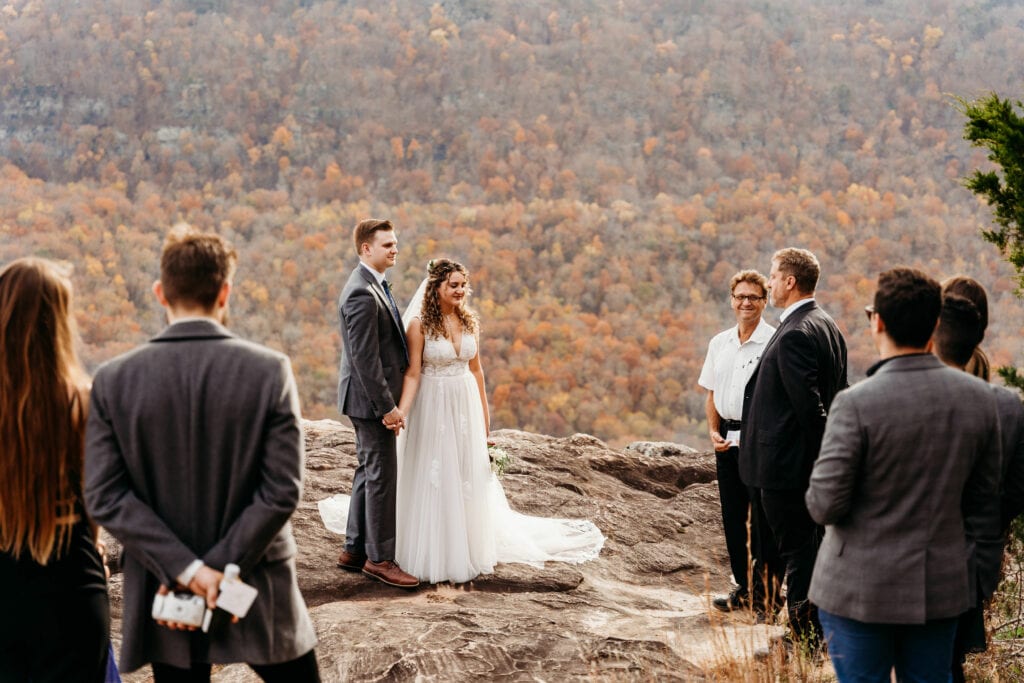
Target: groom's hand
394 420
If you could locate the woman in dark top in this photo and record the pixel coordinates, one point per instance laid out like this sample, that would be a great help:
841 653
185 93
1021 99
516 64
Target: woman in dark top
54 623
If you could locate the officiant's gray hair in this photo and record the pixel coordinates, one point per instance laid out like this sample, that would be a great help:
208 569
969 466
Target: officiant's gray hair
751 276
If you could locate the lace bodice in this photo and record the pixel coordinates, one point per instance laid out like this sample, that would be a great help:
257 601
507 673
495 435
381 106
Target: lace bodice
439 359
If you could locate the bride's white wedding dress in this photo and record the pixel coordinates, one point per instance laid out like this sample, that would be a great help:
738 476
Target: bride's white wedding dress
453 519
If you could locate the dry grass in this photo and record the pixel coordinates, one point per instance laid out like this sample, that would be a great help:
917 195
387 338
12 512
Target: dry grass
1004 660
756 656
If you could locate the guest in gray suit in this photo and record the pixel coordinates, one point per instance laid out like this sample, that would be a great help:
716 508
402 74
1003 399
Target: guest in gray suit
373 362
960 330
194 460
906 483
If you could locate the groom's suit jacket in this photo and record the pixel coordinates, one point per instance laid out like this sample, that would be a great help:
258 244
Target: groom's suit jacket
194 449
373 356
786 400
907 483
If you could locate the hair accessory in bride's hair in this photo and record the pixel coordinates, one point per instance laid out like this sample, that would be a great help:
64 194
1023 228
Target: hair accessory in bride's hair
430 266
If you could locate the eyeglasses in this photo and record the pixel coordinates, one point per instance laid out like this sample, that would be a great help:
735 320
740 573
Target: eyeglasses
748 297
869 311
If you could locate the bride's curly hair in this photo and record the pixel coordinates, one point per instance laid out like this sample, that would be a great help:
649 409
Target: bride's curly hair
438 272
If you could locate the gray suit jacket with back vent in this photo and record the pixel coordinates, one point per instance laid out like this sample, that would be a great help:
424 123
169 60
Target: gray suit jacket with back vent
194 450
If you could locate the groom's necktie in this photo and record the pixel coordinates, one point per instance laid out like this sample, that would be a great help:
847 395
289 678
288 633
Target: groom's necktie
395 314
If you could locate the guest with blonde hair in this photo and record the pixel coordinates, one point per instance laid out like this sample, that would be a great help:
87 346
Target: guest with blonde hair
58 615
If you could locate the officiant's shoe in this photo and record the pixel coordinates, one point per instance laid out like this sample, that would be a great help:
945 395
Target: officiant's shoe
351 562
390 573
736 600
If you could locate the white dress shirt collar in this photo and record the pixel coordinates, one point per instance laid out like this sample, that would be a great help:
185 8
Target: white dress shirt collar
793 306
379 277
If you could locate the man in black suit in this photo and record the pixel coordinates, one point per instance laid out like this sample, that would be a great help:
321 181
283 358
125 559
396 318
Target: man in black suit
373 362
784 409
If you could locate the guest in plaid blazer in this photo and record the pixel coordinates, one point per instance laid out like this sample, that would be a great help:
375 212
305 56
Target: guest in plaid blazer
907 486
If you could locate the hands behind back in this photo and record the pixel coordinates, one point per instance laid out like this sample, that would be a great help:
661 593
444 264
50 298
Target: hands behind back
206 584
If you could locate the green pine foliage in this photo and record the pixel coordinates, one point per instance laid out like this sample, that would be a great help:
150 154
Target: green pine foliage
995 124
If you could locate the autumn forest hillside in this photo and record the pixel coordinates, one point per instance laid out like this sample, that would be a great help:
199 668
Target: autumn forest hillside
601 167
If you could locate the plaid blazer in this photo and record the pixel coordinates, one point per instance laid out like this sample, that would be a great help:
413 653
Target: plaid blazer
907 483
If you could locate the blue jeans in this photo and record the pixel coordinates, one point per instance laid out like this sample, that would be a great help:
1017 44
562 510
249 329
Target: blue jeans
866 653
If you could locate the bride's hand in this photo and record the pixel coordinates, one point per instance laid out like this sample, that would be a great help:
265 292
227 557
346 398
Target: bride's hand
394 420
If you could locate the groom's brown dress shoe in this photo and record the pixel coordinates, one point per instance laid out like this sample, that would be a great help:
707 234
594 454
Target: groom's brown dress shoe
390 573
351 562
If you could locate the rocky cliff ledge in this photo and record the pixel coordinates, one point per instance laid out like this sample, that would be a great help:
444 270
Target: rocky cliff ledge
640 611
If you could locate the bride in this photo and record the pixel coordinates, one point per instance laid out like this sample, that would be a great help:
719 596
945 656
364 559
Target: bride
453 519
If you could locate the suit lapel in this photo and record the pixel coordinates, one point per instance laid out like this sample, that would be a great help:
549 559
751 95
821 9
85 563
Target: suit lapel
790 321
382 299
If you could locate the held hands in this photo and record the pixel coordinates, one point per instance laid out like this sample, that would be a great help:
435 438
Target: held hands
395 420
719 442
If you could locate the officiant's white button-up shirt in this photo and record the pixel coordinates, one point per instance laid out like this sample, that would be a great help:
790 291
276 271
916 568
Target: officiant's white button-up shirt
729 365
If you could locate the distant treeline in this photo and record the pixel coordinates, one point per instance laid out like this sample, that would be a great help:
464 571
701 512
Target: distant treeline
602 169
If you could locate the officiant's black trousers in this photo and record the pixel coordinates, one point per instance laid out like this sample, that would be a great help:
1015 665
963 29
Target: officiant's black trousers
735 509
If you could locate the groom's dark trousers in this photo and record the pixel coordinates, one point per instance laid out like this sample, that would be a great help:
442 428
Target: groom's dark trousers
371 517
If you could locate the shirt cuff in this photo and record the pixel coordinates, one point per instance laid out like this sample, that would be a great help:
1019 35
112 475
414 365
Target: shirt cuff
185 578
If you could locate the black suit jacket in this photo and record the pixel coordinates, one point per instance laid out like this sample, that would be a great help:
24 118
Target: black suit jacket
373 356
786 400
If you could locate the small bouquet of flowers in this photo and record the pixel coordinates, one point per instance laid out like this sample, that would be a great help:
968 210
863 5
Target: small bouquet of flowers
500 459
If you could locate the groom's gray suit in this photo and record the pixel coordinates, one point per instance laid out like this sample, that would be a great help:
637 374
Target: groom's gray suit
194 450
373 364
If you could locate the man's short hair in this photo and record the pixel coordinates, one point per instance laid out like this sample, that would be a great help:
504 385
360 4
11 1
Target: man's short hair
751 276
959 331
973 291
801 264
194 266
365 229
908 302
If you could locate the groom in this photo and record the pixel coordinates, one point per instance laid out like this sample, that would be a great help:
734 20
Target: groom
373 362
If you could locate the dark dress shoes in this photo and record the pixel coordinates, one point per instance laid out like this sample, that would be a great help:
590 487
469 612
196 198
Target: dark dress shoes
736 600
351 562
390 573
